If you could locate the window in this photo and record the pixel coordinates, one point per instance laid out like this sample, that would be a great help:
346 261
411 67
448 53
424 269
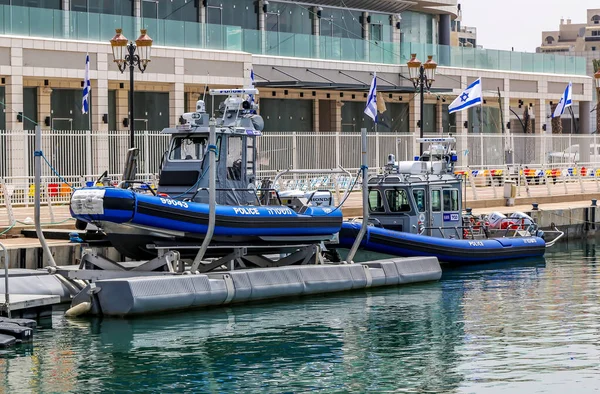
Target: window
52 4
593 48
234 158
419 196
549 40
375 201
450 200
596 19
436 203
398 200
113 7
596 33
188 148
178 10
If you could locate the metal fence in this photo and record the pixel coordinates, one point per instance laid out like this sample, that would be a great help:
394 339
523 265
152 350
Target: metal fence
81 156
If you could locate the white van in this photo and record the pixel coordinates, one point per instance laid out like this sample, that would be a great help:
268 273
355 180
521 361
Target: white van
571 155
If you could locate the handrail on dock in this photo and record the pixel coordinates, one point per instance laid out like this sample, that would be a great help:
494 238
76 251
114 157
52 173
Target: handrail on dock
6 292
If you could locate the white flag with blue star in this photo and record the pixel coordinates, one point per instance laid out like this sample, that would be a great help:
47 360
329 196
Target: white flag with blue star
471 97
371 109
565 101
87 87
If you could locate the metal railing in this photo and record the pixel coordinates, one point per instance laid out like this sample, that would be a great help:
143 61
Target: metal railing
6 305
80 156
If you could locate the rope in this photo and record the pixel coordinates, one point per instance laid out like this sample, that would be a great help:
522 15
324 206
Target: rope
349 192
41 154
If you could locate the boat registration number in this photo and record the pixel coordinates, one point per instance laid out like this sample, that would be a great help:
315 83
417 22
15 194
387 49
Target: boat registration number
475 243
529 241
174 203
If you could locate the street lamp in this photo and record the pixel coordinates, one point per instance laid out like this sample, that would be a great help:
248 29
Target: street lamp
124 55
422 76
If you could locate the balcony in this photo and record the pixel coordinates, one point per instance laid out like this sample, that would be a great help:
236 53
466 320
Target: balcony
57 24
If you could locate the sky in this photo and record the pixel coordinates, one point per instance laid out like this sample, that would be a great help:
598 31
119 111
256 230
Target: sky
504 24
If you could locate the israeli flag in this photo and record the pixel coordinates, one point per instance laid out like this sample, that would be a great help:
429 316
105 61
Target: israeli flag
251 96
87 87
371 109
471 97
565 101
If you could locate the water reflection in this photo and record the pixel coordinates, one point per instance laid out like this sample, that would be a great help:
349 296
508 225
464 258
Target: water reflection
496 327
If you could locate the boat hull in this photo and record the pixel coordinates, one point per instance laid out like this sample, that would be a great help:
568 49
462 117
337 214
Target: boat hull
449 251
132 221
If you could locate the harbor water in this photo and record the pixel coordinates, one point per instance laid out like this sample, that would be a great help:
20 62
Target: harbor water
517 327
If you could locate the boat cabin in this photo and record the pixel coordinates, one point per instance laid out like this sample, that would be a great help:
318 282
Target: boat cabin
422 196
184 170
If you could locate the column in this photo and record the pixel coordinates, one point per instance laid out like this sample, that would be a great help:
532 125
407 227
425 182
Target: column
201 12
585 107
176 101
444 39
366 34
137 14
336 115
317 32
17 142
540 121
191 101
262 26
439 117
462 132
414 109
66 5
122 108
508 146
396 38
44 107
316 115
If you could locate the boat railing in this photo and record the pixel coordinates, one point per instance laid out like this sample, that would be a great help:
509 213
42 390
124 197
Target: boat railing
261 199
336 185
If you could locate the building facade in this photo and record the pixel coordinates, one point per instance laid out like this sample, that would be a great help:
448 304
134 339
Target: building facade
462 35
577 39
312 59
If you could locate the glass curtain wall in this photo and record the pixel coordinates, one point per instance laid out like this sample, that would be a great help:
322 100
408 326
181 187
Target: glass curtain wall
418 27
448 121
52 4
289 29
341 34
112 7
429 118
178 10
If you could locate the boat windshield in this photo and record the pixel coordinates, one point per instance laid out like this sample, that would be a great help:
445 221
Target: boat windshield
188 148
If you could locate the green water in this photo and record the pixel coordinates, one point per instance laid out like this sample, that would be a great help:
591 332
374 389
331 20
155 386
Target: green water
521 327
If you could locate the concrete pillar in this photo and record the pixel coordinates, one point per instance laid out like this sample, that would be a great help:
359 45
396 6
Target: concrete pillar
191 101
262 26
396 38
316 115
44 107
336 115
66 6
201 12
17 143
414 110
584 117
176 101
462 132
439 117
366 35
444 29
122 107
540 121
100 94
317 33
137 13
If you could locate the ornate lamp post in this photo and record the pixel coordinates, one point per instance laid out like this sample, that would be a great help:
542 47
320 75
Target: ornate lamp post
124 54
422 76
